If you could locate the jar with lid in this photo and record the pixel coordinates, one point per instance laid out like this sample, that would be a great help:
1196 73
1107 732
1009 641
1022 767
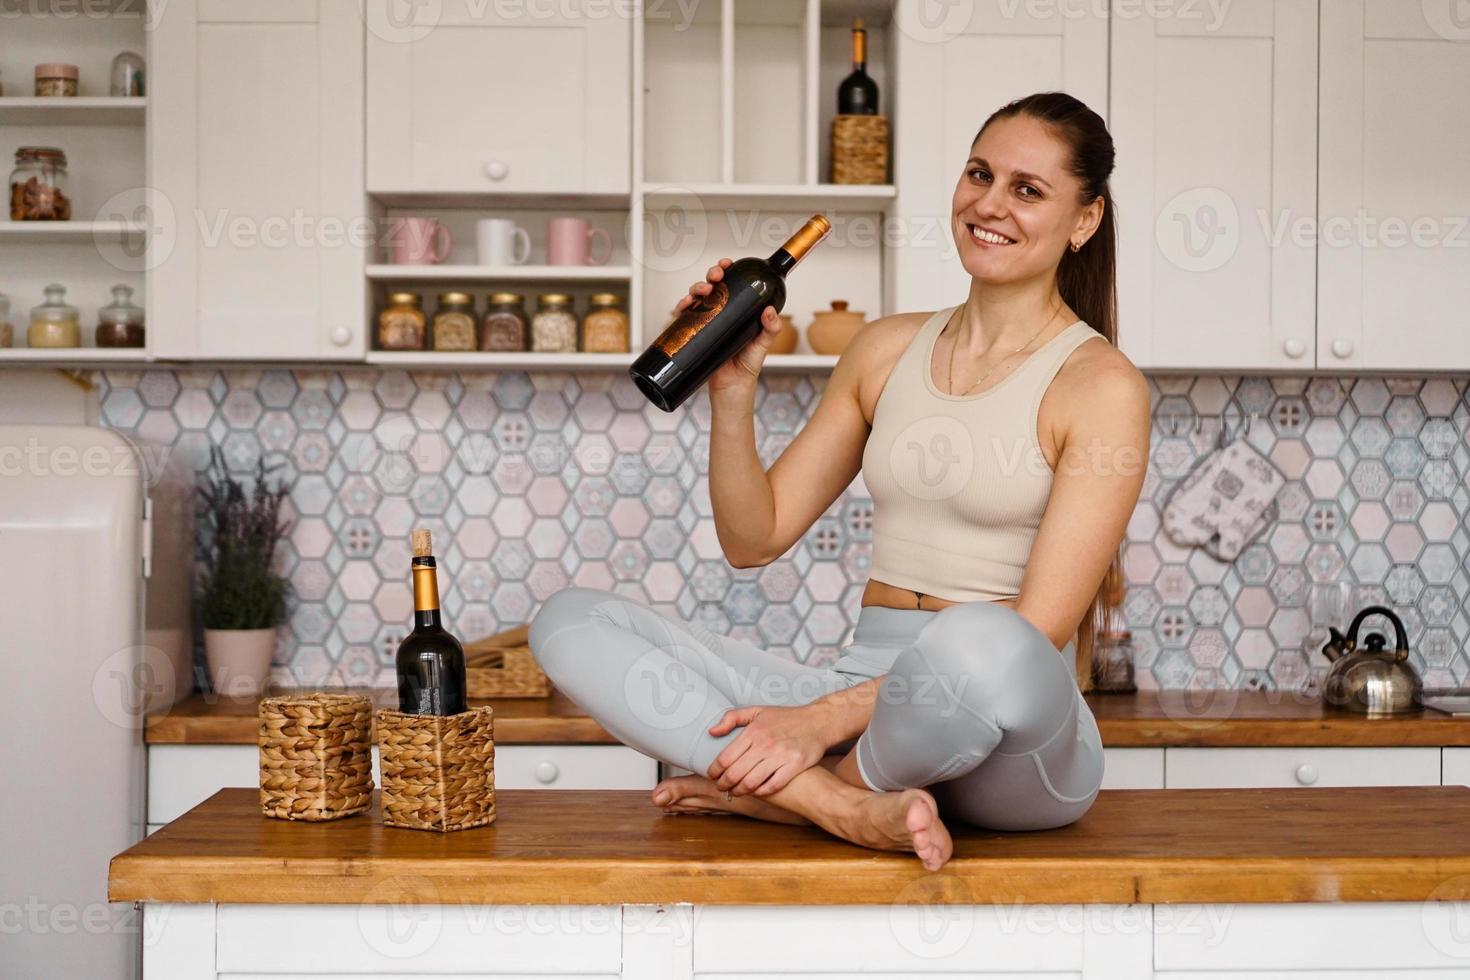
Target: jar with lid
401 324
38 185
605 327
454 322
55 79
120 323
554 327
7 332
505 326
1112 661
127 75
55 323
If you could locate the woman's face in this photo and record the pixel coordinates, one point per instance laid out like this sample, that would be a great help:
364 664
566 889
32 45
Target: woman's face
1016 207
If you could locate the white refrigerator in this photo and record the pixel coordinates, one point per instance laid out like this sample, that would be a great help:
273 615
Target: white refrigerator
77 679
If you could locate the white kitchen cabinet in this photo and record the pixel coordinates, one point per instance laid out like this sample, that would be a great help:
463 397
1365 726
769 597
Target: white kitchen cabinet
1216 168
256 148
473 97
1394 268
1455 766
1139 768
956 64
1195 768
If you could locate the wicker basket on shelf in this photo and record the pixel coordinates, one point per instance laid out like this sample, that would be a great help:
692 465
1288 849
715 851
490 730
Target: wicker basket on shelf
438 770
501 666
859 149
316 758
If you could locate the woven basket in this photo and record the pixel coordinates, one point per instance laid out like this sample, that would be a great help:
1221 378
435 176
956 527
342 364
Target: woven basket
859 149
438 770
501 666
316 758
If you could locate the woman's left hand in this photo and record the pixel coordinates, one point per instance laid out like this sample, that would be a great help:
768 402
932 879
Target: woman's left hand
776 744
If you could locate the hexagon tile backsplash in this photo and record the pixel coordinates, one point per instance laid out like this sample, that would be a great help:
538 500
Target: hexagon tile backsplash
533 482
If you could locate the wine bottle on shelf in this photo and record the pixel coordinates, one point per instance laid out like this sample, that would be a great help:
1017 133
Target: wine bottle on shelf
430 661
715 327
858 94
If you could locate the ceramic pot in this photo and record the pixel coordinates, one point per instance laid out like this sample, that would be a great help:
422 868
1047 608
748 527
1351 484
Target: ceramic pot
239 660
785 340
832 330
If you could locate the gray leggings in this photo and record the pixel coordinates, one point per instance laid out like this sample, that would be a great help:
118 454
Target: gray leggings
975 703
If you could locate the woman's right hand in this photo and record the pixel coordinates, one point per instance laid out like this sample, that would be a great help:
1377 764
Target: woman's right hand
739 372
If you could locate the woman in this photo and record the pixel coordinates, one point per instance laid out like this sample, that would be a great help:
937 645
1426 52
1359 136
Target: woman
1004 442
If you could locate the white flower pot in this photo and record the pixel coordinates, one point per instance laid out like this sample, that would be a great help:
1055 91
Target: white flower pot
239 660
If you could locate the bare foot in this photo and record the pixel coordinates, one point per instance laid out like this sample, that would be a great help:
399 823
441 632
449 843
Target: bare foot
904 821
698 794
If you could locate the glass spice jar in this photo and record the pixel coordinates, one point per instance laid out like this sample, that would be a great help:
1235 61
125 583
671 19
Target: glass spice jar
38 185
1112 662
401 324
120 323
55 323
505 326
605 327
554 327
56 79
454 322
127 75
7 332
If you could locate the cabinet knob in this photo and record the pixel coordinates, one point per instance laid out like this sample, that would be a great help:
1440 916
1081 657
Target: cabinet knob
1294 348
341 336
547 772
1342 348
496 170
1306 774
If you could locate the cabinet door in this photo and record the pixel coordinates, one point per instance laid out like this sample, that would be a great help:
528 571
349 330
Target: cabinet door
467 96
956 64
1219 768
1214 111
255 143
1394 275
1455 766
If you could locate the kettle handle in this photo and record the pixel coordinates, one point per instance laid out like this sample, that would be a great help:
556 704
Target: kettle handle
1401 637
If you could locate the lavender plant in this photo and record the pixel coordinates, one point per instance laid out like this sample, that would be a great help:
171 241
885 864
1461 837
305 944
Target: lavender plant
240 589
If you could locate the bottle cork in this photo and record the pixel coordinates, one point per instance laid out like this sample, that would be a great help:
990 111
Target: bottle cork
423 546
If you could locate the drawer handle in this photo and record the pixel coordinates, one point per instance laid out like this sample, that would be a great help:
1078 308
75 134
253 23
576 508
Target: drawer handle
1342 348
341 336
1306 774
547 772
1294 348
496 170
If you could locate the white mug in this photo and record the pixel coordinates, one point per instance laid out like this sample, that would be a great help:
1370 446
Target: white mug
496 240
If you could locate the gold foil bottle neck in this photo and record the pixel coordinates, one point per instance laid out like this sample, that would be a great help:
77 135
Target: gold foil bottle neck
425 588
816 229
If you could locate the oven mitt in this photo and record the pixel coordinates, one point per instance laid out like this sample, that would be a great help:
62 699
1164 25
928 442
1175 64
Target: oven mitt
1222 504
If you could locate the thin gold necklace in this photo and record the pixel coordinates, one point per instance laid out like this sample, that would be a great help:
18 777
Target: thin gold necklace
955 343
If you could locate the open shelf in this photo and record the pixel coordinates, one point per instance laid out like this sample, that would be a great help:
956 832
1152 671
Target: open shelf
505 273
870 197
100 111
501 360
71 356
68 232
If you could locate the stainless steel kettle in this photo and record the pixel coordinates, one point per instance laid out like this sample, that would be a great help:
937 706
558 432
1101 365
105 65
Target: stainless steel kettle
1372 680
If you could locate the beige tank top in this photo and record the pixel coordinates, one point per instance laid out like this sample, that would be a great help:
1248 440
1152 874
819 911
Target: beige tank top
959 482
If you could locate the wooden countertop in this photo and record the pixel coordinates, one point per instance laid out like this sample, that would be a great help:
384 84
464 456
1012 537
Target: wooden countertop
1403 843
1148 719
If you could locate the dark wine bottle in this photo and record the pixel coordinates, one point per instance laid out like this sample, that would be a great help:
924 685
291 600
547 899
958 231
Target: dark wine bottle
716 326
430 660
858 94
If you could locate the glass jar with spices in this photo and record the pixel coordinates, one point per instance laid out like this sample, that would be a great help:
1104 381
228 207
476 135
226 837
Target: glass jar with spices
605 327
1112 661
401 324
38 185
505 326
454 322
54 79
7 332
55 323
554 327
120 323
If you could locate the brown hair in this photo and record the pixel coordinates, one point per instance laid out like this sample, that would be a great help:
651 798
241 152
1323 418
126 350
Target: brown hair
1087 281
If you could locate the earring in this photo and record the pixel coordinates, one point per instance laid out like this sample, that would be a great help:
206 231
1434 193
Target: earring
1075 246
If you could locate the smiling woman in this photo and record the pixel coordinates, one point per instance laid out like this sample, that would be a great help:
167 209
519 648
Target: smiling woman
1003 441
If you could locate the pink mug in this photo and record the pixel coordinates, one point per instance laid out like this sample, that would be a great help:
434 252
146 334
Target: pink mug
418 241
568 239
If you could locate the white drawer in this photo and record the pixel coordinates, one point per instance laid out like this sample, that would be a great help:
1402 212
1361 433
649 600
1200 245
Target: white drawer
181 777
1196 768
1455 766
1133 768
573 767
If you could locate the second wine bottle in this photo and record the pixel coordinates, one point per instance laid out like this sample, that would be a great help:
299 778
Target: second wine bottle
430 661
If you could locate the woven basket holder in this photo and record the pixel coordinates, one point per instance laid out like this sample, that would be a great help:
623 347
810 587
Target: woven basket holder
859 149
438 770
316 759
520 677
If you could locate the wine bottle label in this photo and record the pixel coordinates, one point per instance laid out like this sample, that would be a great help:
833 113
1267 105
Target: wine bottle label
688 324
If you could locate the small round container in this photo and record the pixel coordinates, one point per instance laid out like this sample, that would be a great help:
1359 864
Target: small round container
401 325
55 323
38 185
120 323
454 323
605 327
7 332
54 79
1112 662
127 75
505 326
554 327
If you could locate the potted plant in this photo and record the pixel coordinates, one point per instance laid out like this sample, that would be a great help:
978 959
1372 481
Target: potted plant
242 599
